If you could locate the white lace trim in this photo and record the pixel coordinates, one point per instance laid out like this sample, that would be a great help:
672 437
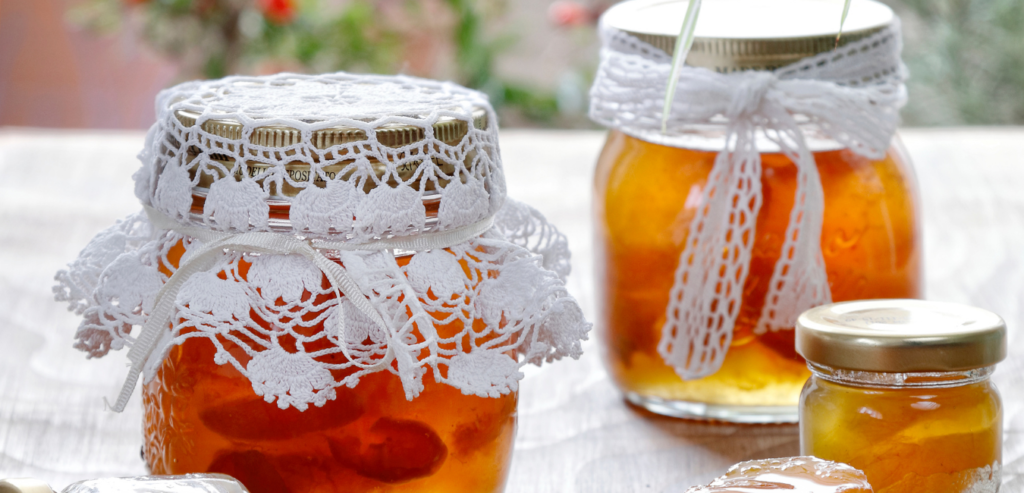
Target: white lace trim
472 331
852 94
483 292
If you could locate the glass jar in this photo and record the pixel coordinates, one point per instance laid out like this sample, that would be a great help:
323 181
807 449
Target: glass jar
202 415
334 292
646 195
900 389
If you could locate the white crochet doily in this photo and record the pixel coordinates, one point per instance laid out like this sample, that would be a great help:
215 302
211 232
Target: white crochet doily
315 103
481 295
852 95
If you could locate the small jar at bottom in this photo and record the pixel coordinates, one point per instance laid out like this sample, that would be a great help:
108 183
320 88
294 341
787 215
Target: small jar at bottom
901 390
937 432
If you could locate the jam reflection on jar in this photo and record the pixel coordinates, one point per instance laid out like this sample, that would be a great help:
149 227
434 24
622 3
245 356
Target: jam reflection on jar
646 195
901 390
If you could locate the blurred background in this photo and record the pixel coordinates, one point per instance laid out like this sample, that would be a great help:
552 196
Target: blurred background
99 63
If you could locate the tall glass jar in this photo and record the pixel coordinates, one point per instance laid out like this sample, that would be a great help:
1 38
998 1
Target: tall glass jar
901 390
647 194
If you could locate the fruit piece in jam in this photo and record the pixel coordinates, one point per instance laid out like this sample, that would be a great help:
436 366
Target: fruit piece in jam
796 474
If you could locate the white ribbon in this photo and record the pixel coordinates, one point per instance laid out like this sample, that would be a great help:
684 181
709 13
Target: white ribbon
852 95
216 242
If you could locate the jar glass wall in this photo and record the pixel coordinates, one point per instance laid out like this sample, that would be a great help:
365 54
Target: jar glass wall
909 432
645 197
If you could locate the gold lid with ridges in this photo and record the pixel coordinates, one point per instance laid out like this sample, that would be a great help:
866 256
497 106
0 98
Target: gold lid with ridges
735 35
447 130
901 336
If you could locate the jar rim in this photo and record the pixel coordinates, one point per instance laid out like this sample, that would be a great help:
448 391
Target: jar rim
932 379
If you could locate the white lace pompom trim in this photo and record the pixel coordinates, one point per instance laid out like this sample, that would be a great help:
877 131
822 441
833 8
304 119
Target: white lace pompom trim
473 331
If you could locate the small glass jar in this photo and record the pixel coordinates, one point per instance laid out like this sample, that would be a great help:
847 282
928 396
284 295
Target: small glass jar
646 194
900 389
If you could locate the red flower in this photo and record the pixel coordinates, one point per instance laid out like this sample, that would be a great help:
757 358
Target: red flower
279 11
570 14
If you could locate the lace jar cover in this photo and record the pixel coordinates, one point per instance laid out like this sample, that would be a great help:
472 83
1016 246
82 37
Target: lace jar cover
851 95
228 201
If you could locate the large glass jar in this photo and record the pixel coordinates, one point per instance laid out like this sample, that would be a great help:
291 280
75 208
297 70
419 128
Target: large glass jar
901 390
334 293
646 195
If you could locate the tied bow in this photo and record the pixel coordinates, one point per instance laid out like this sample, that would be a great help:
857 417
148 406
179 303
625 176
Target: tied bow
840 93
216 242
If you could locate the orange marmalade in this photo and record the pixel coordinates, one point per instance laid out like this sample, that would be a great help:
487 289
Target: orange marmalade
893 393
201 416
741 92
645 197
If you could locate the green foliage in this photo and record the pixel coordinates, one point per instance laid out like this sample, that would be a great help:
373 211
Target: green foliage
533 105
214 38
966 56
966 59
476 54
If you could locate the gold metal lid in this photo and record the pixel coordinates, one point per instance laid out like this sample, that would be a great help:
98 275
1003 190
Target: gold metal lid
734 35
898 336
448 130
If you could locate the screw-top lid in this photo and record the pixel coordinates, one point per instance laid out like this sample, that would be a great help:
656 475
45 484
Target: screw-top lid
734 35
897 336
